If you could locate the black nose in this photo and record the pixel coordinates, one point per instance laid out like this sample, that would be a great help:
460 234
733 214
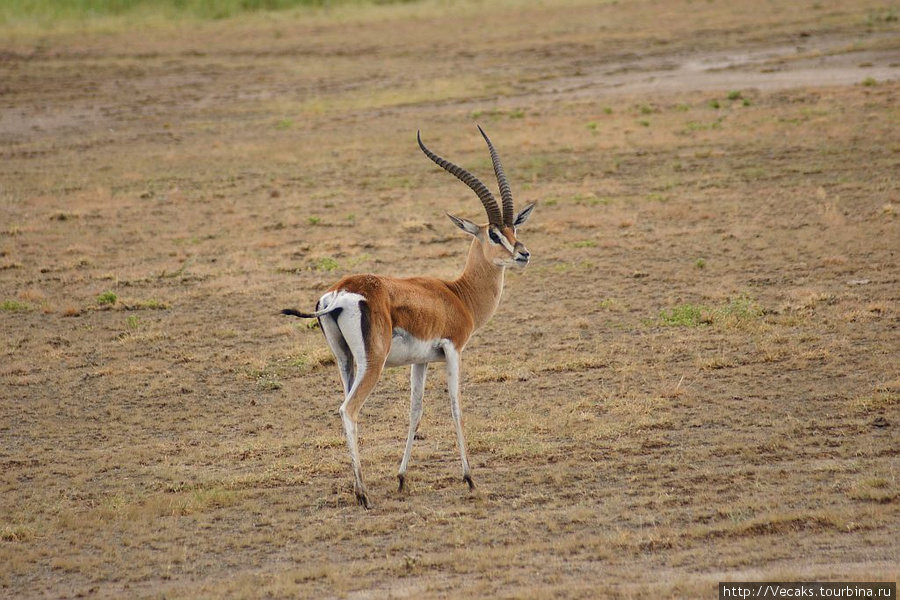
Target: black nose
524 253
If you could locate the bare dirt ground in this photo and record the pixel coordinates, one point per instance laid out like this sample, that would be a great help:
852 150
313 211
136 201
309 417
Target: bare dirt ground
696 380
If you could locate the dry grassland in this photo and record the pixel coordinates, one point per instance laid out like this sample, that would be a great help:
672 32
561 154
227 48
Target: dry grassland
698 378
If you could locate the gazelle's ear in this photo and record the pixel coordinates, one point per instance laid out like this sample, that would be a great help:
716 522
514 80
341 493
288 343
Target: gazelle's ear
523 216
466 225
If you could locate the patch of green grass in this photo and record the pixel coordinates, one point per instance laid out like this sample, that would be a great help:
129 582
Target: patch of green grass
740 312
734 95
714 104
869 81
148 305
313 221
700 263
741 308
585 244
701 126
685 315
284 124
609 304
326 264
495 113
14 306
107 299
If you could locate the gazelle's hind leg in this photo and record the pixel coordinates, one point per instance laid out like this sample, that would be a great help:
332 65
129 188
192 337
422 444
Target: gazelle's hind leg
417 390
339 348
452 357
353 325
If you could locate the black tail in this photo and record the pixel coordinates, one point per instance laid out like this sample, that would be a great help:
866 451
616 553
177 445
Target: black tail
297 313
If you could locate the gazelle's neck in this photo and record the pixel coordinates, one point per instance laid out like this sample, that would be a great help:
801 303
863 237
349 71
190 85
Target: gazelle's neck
480 285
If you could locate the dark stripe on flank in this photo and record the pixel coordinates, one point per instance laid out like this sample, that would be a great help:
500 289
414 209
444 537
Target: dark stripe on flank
365 324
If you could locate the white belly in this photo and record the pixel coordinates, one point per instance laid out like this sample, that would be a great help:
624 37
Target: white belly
408 350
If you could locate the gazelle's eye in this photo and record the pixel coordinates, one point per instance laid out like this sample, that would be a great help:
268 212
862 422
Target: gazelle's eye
494 237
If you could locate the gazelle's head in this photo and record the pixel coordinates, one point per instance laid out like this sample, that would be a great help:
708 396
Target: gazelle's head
497 239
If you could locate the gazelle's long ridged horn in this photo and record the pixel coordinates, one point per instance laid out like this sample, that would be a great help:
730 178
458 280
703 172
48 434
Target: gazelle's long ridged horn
484 194
505 192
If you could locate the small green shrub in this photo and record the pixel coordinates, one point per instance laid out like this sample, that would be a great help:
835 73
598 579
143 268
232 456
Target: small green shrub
14 306
107 299
326 264
685 315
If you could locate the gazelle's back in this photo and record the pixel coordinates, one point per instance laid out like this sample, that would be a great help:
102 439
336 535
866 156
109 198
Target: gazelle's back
424 307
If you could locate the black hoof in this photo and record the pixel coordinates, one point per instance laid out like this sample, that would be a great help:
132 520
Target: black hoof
468 479
363 500
402 479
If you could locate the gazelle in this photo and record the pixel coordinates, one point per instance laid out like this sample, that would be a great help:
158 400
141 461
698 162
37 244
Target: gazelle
374 321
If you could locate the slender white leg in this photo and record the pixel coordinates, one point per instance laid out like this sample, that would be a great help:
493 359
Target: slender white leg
339 348
417 391
453 361
351 431
368 370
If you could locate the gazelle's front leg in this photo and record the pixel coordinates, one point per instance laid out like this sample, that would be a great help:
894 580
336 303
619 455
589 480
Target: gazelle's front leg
417 390
453 361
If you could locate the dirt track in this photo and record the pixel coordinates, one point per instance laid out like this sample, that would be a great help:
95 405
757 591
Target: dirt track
696 379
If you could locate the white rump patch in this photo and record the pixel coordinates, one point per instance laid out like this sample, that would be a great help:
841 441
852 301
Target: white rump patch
349 326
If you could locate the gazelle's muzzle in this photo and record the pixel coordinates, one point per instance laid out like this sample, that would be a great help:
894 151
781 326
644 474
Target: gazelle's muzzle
521 254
